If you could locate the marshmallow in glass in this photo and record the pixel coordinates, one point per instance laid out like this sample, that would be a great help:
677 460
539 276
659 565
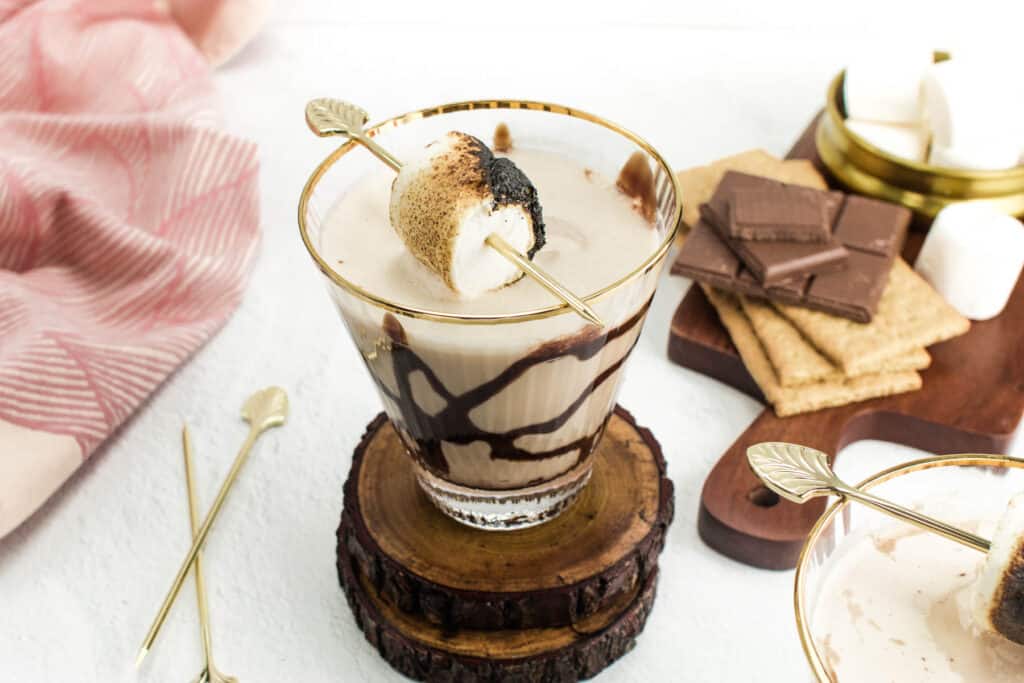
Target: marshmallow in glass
449 199
998 600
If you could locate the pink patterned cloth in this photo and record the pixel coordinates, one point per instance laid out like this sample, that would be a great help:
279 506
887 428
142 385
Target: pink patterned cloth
219 28
128 225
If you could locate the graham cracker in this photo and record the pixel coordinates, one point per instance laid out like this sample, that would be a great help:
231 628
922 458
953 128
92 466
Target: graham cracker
699 183
795 360
910 315
801 172
809 397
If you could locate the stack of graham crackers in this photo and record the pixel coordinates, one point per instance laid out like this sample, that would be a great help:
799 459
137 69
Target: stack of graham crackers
827 337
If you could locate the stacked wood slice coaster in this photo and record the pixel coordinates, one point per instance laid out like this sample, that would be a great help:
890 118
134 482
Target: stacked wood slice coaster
441 601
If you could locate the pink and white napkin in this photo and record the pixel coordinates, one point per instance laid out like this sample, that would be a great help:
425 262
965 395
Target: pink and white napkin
128 224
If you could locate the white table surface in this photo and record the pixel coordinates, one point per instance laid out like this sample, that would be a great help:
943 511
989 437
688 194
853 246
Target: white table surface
80 581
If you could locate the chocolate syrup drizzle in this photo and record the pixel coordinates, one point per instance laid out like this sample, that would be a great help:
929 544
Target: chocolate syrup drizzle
453 423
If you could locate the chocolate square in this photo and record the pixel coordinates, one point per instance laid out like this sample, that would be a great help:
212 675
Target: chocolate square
708 255
854 293
781 213
867 224
872 232
773 262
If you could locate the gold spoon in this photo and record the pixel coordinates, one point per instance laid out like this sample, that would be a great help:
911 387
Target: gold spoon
209 674
265 409
799 473
327 117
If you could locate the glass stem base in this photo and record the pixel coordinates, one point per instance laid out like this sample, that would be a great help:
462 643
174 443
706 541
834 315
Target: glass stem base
506 509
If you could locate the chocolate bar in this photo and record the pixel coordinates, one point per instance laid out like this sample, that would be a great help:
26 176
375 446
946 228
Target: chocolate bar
785 213
774 262
872 232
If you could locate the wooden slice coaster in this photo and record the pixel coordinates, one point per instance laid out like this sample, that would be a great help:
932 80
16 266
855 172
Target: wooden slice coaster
432 571
427 652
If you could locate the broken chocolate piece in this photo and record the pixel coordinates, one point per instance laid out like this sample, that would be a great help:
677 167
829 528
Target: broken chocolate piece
782 213
637 181
773 262
502 138
850 293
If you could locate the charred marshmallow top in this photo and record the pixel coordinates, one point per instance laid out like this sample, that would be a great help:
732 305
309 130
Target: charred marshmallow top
999 594
446 202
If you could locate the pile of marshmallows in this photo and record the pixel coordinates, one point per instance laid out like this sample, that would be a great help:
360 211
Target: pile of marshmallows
952 114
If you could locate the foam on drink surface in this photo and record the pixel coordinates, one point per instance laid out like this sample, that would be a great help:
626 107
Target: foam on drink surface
896 606
595 237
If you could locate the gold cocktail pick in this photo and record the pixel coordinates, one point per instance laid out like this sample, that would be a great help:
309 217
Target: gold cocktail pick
800 473
265 409
209 674
327 117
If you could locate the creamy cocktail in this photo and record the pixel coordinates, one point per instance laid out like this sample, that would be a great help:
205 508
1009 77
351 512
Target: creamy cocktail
501 396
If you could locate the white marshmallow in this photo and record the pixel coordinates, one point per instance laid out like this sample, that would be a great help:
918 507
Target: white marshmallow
973 255
978 157
448 200
998 585
886 87
476 268
905 142
971 110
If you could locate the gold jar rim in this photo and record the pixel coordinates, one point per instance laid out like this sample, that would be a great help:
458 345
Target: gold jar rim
923 187
802 620
478 319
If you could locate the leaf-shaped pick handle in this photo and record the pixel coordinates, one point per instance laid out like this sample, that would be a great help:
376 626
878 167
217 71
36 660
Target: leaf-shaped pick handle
326 116
266 408
797 473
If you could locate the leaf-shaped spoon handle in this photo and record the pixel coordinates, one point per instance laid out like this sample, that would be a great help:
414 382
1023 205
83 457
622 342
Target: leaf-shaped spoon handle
263 410
797 473
326 117
800 473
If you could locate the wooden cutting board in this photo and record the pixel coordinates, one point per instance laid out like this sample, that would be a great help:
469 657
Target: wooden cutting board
972 401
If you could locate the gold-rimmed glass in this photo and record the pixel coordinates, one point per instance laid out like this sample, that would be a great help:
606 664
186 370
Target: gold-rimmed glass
455 470
953 488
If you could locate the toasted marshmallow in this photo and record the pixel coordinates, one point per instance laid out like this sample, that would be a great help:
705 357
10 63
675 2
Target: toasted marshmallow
999 591
447 201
